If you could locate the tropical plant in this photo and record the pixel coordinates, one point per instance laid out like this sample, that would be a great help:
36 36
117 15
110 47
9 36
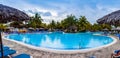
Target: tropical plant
52 25
83 24
96 27
69 21
35 21
16 24
2 26
69 24
58 25
44 25
106 26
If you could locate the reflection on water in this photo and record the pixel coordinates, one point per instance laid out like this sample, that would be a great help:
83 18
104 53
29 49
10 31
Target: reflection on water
47 42
25 39
94 43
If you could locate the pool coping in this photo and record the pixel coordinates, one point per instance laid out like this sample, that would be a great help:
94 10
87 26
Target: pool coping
65 51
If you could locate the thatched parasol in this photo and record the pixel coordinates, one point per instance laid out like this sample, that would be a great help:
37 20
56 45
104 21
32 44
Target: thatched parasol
8 14
72 28
112 18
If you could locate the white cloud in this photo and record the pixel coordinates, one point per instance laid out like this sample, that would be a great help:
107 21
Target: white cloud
60 10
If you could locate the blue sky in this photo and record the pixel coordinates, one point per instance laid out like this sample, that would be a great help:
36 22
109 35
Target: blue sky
59 9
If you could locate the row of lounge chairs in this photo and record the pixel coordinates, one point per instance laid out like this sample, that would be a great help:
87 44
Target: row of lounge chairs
8 52
118 35
116 53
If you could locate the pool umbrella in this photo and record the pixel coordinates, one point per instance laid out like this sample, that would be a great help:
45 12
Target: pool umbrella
8 14
112 18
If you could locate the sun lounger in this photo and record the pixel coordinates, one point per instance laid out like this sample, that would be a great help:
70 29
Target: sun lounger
118 35
8 52
92 57
5 48
115 54
116 51
22 56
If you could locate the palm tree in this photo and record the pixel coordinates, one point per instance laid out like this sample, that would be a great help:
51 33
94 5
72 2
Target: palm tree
58 25
106 26
2 26
83 24
96 27
52 25
16 24
35 21
69 22
44 25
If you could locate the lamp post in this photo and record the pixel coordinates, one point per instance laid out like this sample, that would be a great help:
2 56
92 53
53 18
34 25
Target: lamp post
1 46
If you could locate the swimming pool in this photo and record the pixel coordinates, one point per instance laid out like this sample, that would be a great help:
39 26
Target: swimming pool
62 41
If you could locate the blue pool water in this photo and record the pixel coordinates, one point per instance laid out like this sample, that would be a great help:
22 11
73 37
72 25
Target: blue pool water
62 41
